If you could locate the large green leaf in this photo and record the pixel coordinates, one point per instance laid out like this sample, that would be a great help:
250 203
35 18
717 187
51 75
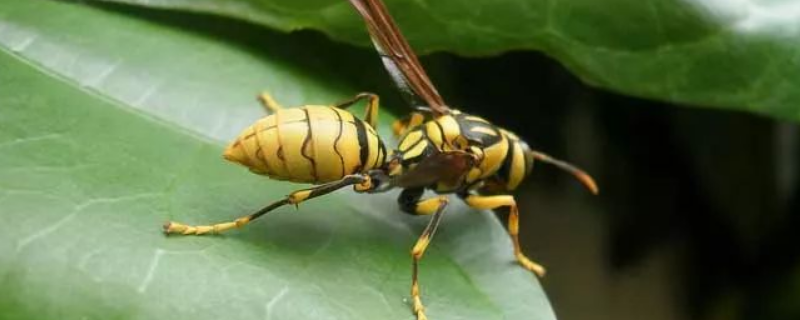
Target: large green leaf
735 54
112 121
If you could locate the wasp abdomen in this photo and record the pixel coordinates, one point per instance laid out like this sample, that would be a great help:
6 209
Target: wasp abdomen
310 144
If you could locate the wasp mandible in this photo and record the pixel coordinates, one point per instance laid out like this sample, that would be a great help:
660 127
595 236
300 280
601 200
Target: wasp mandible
499 161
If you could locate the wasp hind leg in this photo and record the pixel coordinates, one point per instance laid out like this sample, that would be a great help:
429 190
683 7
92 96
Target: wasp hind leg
361 183
269 103
494 202
371 112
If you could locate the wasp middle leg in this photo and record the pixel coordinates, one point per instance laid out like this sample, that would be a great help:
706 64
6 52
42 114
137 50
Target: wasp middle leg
494 202
410 202
361 182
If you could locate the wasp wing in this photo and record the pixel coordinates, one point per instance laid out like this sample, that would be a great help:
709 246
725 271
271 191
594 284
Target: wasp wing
448 167
399 60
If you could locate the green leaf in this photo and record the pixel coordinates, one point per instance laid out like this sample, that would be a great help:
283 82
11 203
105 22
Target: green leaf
731 54
112 122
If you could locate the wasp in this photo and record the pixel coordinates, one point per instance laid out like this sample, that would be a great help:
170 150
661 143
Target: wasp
440 149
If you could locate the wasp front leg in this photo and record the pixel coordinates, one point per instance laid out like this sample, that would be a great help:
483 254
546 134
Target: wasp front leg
360 182
494 202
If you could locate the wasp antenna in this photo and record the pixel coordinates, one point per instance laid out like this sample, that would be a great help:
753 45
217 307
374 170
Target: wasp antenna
581 175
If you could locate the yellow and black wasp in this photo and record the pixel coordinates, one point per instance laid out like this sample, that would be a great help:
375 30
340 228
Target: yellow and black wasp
440 149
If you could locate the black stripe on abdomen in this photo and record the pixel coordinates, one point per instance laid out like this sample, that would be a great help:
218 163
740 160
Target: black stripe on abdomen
305 146
336 141
363 143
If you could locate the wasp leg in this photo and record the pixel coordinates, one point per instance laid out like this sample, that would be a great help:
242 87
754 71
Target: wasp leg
409 198
361 183
268 102
494 202
436 207
371 114
400 126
